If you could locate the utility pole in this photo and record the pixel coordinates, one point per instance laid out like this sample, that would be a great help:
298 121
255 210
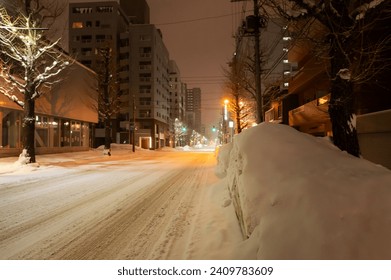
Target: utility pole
134 125
258 90
257 23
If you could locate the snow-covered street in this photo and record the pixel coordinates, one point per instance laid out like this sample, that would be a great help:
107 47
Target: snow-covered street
290 196
147 205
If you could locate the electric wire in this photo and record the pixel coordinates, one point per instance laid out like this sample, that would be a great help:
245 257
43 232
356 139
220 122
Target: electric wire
193 20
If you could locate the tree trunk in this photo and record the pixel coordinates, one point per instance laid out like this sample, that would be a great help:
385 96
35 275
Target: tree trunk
29 130
341 106
107 135
237 111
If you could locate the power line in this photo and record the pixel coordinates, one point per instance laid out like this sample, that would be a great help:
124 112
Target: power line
194 20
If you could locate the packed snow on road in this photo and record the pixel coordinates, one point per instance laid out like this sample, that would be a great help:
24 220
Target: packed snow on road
274 193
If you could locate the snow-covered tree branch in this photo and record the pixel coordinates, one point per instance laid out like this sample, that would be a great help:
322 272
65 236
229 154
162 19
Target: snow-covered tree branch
354 48
30 64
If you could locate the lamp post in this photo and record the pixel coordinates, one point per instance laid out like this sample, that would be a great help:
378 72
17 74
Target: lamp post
225 120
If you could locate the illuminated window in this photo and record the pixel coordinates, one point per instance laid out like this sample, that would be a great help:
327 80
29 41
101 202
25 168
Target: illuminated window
286 84
77 24
286 38
285 61
323 100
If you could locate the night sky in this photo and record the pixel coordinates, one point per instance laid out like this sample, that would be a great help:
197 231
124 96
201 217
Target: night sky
198 35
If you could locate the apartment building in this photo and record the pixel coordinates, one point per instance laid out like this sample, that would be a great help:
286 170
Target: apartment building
277 70
141 66
177 93
193 109
150 86
98 25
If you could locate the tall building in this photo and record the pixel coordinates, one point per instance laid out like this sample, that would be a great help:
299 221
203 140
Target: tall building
149 86
193 108
177 93
141 66
98 25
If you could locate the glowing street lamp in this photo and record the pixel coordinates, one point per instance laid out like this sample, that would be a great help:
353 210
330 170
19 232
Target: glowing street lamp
226 101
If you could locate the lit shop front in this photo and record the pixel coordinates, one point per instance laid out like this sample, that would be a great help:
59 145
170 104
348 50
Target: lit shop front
63 121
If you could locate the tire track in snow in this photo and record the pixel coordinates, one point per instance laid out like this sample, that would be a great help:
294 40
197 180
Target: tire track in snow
140 219
132 232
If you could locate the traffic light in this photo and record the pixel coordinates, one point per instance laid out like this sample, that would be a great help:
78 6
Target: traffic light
214 129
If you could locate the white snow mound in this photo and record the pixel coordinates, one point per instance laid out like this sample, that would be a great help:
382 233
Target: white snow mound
299 197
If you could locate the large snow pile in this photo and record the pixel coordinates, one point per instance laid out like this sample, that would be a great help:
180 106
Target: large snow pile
299 197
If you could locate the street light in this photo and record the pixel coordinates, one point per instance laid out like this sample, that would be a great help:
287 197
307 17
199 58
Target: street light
226 101
225 120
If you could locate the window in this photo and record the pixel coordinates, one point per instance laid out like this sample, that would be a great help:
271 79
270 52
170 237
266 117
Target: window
145 52
55 132
41 131
88 23
145 100
86 51
100 38
65 133
86 39
105 9
124 43
145 65
145 77
77 25
81 10
75 133
145 89
145 113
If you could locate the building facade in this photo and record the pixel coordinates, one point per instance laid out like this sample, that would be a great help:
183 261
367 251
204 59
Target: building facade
99 25
141 67
149 86
193 109
65 115
177 93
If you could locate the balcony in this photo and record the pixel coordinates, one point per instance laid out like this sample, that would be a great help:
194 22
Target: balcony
312 117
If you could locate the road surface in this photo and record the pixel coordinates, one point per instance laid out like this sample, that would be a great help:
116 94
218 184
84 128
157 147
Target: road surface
141 208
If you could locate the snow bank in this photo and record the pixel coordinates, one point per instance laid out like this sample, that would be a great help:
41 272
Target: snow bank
299 197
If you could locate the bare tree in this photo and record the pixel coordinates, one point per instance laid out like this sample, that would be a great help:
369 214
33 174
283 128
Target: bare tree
240 103
109 94
353 59
180 132
30 63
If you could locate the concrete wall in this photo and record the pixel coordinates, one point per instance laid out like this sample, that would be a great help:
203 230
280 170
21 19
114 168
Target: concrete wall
374 135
